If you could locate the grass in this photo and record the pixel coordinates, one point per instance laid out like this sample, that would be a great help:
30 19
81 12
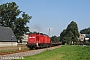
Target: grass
63 53
2 51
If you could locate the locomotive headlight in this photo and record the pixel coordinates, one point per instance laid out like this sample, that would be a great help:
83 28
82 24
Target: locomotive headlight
33 37
29 37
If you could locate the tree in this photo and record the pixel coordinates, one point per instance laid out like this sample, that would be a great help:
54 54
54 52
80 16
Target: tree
33 32
85 31
10 17
55 39
73 31
63 36
70 33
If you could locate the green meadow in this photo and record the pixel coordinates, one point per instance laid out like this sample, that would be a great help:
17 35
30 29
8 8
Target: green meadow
63 53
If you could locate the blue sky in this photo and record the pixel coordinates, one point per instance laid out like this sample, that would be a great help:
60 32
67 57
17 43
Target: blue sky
55 14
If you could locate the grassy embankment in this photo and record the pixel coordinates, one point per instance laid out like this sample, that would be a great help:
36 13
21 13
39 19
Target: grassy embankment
63 53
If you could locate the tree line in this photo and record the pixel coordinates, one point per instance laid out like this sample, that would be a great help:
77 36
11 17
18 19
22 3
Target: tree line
85 31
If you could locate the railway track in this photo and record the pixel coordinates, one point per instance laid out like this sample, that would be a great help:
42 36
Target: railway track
20 55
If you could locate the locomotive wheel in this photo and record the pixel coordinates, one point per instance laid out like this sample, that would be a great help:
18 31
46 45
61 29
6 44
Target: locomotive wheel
31 47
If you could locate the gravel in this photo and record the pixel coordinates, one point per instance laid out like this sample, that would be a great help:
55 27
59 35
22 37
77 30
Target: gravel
22 54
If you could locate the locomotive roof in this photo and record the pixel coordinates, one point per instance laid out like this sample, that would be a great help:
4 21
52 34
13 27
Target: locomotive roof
40 34
7 35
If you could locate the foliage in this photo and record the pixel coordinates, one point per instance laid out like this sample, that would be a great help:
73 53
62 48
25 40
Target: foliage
85 31
10 17
34 32
63 53
70 33
55 39
63 36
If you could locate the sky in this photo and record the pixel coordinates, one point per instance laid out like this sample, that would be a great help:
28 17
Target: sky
54 14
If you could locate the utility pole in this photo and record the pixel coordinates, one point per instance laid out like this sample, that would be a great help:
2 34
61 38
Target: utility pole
49 32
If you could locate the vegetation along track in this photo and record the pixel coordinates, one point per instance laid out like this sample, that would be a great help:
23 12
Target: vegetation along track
26 53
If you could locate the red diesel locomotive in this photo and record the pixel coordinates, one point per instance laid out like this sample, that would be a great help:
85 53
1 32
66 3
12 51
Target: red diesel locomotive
38 40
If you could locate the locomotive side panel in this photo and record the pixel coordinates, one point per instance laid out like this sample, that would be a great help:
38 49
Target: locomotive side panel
46 40
41 39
